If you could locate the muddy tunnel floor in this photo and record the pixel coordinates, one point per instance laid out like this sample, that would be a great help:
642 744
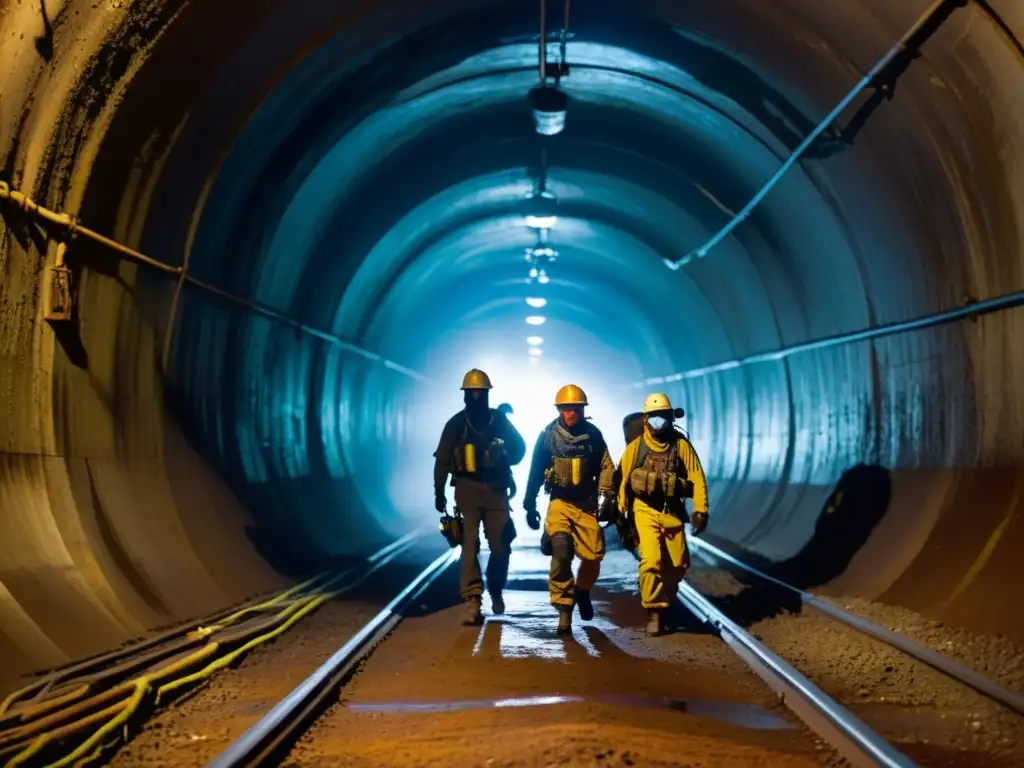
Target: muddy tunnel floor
513 693
933 719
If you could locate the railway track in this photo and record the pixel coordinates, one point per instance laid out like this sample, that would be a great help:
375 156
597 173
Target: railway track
274 734
271 738
78 713
74 715
851 737
949 667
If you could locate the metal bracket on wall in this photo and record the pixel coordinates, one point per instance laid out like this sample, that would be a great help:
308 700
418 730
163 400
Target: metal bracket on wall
57 290
57 293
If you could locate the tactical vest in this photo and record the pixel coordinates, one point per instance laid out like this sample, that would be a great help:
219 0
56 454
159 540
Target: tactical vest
659 479
480 455
575 465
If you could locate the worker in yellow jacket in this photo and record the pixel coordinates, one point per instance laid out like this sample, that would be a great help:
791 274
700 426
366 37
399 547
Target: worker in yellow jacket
659 470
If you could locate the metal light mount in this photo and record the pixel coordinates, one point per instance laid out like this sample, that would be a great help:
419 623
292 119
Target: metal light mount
540 210
541 254
549 108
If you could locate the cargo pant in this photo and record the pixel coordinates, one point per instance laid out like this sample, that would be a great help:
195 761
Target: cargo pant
587 543
664 556
478 504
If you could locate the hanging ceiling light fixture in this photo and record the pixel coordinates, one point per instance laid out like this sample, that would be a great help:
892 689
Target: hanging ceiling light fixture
549 108
550 104
540 210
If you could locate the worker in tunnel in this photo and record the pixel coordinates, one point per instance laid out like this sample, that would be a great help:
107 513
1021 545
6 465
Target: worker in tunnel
659 470
571 460
478 448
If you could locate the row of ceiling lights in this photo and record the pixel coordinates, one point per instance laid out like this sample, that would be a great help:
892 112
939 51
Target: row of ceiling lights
540 257
540 209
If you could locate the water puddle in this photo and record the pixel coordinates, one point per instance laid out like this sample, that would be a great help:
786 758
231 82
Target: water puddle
733 713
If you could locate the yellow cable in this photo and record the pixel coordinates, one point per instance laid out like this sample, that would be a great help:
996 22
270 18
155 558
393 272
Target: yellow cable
48 704
223 661
200 631
140 685
268 603
291 613
43 739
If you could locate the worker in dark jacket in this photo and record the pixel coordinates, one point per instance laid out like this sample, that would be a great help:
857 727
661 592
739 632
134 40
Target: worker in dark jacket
571 459
478 447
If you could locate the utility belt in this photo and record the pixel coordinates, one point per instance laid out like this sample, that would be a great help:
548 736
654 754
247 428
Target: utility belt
584 498
491 477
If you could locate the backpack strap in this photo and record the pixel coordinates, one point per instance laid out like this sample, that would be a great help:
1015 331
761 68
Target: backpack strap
642 452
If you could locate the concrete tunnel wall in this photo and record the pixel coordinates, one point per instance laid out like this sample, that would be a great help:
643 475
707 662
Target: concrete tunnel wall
152 122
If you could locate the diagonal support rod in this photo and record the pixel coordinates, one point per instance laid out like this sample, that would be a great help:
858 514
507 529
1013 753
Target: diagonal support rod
971 310
72 227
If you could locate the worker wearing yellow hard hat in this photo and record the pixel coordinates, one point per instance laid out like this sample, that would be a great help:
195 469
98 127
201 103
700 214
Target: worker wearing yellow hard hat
571 460
659 471
478 448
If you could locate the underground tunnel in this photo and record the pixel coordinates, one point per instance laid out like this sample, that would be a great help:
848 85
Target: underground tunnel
337 194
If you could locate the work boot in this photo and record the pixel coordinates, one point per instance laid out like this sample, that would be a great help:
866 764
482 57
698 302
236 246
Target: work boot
583 601
497 604
654 623
564 622
473 616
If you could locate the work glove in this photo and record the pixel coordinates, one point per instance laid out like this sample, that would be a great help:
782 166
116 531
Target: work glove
440 503
532 515
608 512
698 522
511 487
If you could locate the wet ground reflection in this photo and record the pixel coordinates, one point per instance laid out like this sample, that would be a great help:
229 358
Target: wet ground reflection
733 713
527 628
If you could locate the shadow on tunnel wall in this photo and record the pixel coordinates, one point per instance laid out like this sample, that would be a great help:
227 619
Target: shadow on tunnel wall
856 505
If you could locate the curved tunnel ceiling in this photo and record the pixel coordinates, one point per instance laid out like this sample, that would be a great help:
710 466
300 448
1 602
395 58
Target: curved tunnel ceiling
363 172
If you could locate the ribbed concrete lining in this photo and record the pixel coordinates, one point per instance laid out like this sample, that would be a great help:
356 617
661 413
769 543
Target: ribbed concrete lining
233 134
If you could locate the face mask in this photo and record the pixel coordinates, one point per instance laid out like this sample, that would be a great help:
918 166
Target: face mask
657 423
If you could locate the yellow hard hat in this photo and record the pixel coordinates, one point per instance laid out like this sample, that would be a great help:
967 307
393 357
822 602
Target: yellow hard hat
476 379
657 401
570 394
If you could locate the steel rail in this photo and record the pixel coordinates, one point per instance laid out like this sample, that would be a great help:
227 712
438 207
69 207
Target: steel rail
129 678
260 743
821 713
932 658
